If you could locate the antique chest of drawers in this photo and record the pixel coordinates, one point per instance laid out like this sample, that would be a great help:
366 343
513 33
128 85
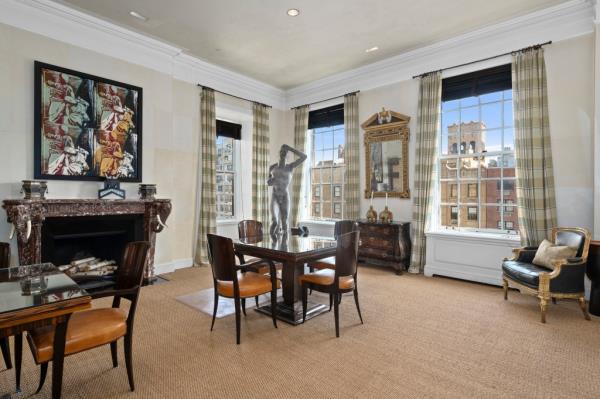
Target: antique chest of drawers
385 244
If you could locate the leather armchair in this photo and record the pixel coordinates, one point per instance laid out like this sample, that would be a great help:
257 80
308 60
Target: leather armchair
565 281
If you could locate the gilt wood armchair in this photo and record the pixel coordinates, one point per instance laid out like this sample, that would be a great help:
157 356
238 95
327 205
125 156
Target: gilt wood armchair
565 281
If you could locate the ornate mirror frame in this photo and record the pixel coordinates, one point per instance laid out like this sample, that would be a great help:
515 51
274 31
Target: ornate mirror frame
393 127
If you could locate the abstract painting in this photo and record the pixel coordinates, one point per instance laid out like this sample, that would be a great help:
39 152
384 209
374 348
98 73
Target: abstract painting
86 127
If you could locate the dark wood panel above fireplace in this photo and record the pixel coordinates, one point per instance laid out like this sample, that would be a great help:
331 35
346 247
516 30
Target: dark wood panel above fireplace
30 216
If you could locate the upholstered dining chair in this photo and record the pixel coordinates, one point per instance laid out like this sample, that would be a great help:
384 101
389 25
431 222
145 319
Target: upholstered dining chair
341 227
338 281
239 281
564 281
89 329
4 263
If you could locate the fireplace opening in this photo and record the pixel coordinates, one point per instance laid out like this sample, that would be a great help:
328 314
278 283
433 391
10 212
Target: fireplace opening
89 248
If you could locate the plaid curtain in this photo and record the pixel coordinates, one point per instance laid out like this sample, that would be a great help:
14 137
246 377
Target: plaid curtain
535 177
207 221
351 158
428 122
260 163
300 130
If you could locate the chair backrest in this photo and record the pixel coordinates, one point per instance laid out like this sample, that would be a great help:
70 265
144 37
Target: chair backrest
343 227
222 257
575 237
346 254
250 228
4 255
131 270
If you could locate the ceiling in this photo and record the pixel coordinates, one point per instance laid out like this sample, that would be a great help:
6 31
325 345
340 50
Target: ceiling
258 39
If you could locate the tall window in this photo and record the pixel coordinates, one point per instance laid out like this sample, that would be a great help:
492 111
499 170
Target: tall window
327 168
477 161
227 135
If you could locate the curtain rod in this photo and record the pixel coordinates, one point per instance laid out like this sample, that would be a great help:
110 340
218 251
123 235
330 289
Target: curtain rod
234 96
535 46
327 99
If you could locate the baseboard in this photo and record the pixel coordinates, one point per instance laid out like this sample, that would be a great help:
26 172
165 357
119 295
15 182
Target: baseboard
480 275
169 267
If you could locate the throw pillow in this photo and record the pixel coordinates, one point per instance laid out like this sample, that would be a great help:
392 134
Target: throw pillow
548 253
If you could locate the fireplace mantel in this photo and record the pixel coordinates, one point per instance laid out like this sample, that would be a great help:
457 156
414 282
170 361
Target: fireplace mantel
28 215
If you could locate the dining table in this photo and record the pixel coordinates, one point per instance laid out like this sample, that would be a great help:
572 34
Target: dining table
293 252
34 296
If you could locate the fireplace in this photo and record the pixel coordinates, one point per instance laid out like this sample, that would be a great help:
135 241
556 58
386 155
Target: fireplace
69 239
63 230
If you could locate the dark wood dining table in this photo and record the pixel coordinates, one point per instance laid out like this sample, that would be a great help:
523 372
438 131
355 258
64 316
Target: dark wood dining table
293 252
21 311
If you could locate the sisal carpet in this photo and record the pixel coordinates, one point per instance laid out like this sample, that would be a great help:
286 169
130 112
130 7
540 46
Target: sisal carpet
203 301
422 338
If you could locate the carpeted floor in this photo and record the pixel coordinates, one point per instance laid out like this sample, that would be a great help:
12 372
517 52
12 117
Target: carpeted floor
422 337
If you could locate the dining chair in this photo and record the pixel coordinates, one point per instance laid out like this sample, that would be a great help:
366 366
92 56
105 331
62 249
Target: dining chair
4 263
90 329
338 281
341 227
230 282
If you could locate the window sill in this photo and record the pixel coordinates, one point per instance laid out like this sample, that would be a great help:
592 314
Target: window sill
513 240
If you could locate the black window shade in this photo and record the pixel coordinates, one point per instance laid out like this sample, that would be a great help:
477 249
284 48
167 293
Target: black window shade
229 129
324 117
477 83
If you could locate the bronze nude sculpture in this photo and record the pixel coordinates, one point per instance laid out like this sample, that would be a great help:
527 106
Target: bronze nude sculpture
280 176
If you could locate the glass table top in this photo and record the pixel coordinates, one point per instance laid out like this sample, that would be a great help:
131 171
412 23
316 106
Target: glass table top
288 243
23 287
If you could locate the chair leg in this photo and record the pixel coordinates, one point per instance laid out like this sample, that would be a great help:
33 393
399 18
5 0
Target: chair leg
543 308
18 359
129 359
6 352
274 306
357 305
113 352
330 301
339 298
237 320
215 310
583 307
304 301
43 373
336 315
505 288
554 301
311 270
244 306
256 300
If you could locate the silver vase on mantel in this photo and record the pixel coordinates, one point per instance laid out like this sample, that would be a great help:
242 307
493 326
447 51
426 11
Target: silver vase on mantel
34 189
147 191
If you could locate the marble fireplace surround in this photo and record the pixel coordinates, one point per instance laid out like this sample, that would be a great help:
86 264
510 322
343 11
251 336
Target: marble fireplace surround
28 215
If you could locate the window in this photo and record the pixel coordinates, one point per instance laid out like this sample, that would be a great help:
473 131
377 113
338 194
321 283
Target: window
477 120
327 168
227 135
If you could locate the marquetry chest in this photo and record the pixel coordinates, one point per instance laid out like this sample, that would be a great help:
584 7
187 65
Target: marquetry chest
385 244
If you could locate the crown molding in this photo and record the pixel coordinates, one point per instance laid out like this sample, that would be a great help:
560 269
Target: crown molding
561 22
63 23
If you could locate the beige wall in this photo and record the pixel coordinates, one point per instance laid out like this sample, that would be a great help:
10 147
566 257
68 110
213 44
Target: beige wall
570 69
170 131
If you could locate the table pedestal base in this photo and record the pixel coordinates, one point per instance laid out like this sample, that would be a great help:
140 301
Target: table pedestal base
293 314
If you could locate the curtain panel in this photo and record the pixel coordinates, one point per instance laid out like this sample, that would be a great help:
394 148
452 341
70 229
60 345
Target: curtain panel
300 131
351 158
428 122
536 201
207 220
260 163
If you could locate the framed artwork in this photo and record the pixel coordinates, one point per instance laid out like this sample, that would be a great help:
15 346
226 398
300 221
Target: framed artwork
86 127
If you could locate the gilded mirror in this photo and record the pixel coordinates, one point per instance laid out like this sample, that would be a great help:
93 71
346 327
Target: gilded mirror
386 155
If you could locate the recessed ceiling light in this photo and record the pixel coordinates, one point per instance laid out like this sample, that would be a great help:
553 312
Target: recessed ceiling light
293 12
138 16
375 48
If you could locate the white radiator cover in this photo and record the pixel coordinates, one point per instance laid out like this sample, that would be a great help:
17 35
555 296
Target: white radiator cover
468 256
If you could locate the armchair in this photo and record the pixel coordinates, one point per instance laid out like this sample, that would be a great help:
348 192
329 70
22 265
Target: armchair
566 281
